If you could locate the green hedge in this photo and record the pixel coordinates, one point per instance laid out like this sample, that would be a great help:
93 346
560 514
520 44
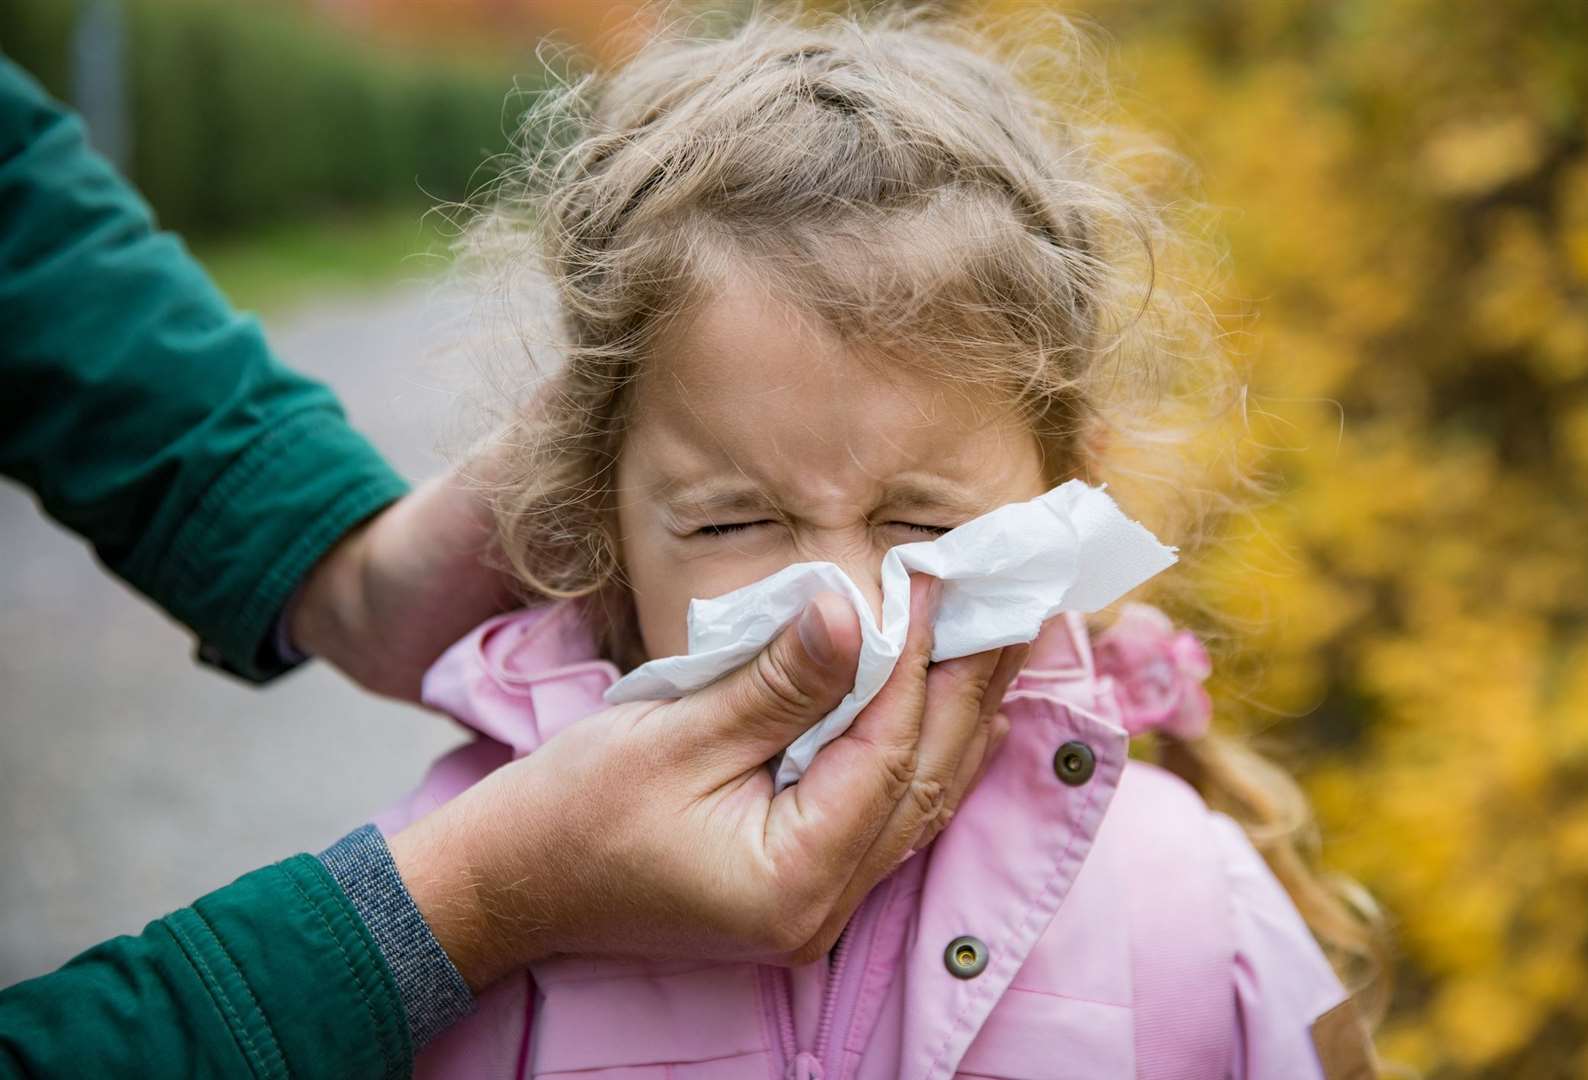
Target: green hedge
243 114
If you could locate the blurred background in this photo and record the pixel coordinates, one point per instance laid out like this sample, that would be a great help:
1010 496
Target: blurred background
1402 190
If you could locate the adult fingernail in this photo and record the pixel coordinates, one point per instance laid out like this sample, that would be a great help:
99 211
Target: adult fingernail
814 635
934 594
1016 658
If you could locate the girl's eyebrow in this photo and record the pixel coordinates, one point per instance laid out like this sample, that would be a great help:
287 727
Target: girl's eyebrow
926 494
930 493
713 498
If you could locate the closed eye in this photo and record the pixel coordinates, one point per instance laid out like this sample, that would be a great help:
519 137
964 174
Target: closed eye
729 528
929 530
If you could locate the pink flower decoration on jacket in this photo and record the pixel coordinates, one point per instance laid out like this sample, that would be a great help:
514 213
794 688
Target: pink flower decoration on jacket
1158 673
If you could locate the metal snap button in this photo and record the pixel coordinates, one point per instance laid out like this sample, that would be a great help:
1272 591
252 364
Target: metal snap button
965 957
1074 763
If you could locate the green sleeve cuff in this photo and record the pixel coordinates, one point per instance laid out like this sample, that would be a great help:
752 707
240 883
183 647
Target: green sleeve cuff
272 976
296 490
290 1009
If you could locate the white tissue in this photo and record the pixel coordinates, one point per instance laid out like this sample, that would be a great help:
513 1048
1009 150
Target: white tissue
1004 574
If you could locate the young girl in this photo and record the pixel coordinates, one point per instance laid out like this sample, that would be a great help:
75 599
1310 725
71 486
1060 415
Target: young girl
824 289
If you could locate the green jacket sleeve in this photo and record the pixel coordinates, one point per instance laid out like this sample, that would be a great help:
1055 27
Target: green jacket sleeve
145 413
272 976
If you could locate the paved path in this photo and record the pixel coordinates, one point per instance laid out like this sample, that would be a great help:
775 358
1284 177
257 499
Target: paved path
132 780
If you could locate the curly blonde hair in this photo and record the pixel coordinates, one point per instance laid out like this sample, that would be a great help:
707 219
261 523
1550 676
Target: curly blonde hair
901 180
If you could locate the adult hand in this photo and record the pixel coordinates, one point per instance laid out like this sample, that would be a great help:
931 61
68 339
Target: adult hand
652 828
395 592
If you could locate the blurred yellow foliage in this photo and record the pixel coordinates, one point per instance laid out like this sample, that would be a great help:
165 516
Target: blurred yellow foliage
1403 185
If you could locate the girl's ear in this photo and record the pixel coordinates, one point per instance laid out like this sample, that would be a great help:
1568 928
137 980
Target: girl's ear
1081 459
1095 440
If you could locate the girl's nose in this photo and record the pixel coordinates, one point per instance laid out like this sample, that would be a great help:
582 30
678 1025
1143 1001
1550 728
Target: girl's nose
855 549
865 570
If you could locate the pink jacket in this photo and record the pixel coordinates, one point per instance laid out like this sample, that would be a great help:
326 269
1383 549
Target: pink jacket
1083 916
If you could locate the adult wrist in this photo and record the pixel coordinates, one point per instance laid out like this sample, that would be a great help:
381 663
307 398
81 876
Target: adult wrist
451 897
323 609
470 867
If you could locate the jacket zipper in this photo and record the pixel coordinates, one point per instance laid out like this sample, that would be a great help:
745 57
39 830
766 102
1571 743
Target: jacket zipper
835 980
783 1013
796 1064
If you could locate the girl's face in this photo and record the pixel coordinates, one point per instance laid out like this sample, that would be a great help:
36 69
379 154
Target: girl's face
757 442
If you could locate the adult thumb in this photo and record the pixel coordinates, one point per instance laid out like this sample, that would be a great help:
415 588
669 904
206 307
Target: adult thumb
752 714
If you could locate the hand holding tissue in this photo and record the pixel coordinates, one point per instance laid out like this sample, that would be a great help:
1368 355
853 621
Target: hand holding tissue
1004 574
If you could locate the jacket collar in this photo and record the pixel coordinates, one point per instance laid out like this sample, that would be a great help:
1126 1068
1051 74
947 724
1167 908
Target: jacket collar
522 677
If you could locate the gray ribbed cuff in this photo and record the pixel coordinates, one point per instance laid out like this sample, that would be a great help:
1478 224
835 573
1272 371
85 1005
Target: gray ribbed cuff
287 651
434 994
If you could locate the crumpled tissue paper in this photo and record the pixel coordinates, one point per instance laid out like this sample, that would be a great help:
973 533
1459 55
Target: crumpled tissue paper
1004 574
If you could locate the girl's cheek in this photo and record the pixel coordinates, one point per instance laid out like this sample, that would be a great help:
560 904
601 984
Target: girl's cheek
735 566
663 586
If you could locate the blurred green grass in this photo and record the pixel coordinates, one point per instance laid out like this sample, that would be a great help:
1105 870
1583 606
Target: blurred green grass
279 267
